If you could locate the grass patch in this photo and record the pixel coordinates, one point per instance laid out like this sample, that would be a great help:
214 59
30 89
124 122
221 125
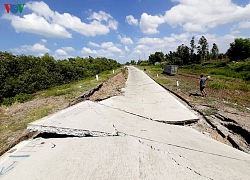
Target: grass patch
209 112
21 98
218 85
162 81
76 88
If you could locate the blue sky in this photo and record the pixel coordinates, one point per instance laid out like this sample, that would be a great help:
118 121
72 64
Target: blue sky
123 30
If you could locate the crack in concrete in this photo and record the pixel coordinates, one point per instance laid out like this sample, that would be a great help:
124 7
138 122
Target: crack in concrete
183 122
174 145
173 159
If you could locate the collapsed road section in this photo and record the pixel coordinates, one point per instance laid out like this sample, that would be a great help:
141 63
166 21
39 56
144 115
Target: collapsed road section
116 142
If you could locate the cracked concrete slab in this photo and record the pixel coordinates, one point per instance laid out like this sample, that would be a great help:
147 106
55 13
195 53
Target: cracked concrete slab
144 150
126 157
144 97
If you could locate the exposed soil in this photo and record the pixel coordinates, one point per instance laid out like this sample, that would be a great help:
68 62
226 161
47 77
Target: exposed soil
111 87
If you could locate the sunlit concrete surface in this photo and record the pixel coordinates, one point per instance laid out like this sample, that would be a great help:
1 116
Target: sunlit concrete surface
144 97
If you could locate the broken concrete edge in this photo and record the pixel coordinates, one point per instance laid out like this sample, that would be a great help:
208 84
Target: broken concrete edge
25 136
90 92
179 122
68 131
182 122
86 95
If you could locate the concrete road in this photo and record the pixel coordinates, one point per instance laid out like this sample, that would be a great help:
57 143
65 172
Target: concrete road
114 143
144 97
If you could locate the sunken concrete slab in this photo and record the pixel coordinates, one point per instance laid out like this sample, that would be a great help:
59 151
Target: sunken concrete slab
146 98
146 151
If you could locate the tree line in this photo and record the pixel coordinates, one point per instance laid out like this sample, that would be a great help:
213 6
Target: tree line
195 54
22 74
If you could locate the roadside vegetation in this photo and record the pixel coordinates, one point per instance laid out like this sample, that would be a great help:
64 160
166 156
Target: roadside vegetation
34 87
230 72
21 76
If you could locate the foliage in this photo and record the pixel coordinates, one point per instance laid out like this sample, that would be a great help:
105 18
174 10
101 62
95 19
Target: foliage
156 57
239 49
28 74
214 51
183 52
203 47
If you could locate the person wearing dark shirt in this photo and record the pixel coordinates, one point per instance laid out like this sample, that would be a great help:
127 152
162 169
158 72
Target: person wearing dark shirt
203 85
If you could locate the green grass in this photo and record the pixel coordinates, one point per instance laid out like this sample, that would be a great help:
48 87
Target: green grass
76 88
218 85
209 112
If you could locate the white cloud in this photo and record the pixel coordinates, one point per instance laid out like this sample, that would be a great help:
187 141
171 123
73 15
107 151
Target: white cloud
61 52
125 40
114 49
44 21
107 49
199 16
43 40
131 20
99 53
107 44
101 16
35 24
88 51
94 44
127 49
36 48
68 49
149 23
244 25
181 37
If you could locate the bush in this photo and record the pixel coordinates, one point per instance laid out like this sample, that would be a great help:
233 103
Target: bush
21 98
23 74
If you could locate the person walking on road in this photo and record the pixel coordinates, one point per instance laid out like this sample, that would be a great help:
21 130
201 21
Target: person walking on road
203 85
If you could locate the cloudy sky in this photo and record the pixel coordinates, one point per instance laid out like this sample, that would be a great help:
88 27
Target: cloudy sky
120 29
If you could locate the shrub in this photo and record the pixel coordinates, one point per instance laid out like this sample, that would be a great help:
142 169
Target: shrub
21 98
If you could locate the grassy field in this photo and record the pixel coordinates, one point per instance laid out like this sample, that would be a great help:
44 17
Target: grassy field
226 85
14 118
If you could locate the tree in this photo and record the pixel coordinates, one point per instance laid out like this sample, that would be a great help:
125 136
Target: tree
239 49
203 48
183 53
215 51
156 57
192 45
